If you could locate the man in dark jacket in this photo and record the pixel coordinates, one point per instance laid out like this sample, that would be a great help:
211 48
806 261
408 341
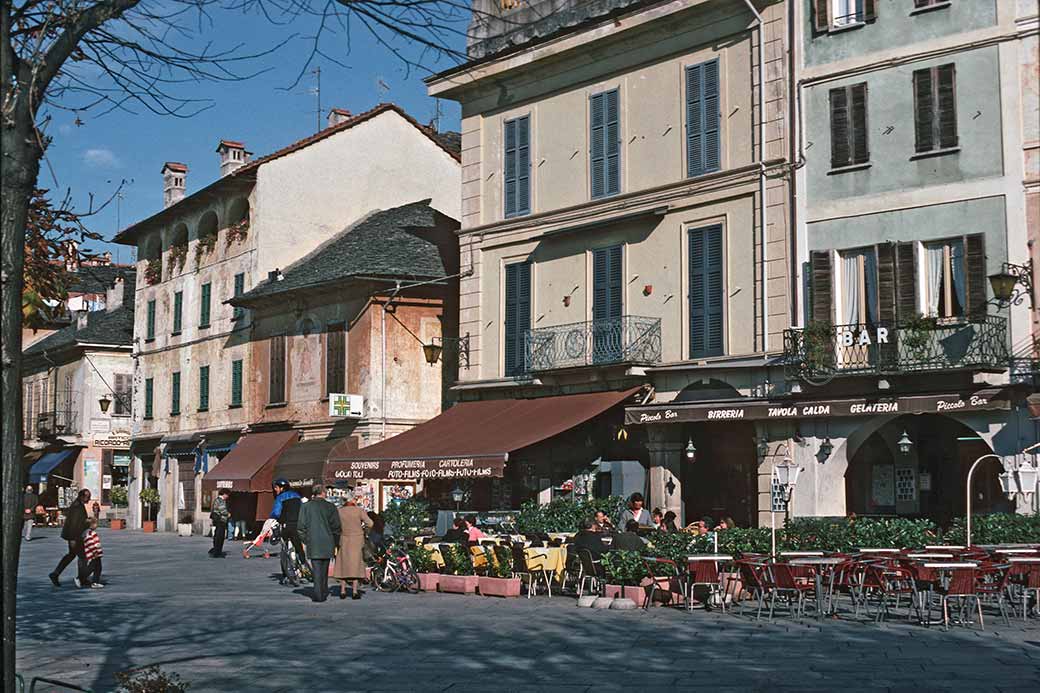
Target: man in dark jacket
588 538
72 532
30 501
628 540
286 510
319 527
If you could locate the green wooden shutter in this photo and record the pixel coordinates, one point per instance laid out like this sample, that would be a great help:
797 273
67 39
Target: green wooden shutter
706 299
607 304
203 388
150 334
178 307
240 288
924 111
175 394
149 395
517 316
236 383
523 165
906 281
204 305
703 141
597 148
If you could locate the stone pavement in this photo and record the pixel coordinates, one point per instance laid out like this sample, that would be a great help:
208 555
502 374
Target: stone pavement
227 625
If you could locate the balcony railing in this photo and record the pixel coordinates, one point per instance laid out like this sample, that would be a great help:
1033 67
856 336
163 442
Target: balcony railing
50 424
822 350
628 339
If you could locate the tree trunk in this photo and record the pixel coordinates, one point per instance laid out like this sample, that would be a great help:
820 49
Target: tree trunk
19 165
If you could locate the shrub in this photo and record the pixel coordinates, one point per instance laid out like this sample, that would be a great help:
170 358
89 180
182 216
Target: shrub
408 517
997 528
624 567
118 495
847 534
422 560
564 514
457 560
499 561
150 680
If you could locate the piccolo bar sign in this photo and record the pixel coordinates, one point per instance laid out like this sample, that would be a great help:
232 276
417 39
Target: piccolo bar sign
925 404
439 468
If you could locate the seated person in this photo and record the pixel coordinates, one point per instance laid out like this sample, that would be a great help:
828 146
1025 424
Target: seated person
628 540
669 523
602 523
588 538
459 532
658 517
472 532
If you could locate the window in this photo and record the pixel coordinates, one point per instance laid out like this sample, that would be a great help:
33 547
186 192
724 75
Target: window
517 166
944 279
150 332
517 316
607 290
175 394
922 4
849 126
277 369
124 391
837 14
935 108
207 290
178 310
858 287
605 144
236 383
707 295
240 288
29 410
336 358
149 394
703 142
203 388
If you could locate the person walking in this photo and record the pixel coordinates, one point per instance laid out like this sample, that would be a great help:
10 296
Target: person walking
30 501
72 532
220 515
350 564
93 553
319 529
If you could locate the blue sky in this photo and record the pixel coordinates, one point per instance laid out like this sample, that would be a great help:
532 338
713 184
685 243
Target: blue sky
265 112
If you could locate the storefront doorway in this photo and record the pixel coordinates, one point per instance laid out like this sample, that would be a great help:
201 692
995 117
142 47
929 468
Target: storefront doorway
928 480
722 479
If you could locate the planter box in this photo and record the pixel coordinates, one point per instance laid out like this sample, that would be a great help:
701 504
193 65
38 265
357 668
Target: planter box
148 526
428 581
668 591
184 529
499 587
458 584
636 594
117 523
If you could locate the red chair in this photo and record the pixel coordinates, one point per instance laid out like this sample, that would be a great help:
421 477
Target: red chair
888 579
705 574
784 582
753 575
994 582
659 569
961 587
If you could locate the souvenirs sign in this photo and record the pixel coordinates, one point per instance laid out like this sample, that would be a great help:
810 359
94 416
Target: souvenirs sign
439 468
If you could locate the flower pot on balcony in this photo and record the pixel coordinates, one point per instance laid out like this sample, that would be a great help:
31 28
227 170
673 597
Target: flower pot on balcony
428 581
499 587
117 523
148 526
458 584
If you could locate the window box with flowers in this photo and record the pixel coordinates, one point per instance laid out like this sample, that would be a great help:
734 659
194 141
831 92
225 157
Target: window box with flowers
178 254
153 271
237 232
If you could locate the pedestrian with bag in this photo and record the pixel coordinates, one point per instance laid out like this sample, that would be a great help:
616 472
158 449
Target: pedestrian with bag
219 515
72 532
350 564
319 529
31 500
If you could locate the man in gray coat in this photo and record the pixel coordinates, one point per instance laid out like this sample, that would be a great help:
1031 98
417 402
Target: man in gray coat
319 529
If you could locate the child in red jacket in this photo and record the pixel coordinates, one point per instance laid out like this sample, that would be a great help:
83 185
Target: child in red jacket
93 552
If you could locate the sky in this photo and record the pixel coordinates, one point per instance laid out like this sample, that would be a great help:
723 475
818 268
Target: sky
265 112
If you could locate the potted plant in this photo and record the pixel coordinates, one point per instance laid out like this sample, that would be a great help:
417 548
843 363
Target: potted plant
499 581
425 567
458 574
407 517
149 499
118 497
184 526
625 571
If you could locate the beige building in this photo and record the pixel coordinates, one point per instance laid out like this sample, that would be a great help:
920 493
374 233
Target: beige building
625 215
203 249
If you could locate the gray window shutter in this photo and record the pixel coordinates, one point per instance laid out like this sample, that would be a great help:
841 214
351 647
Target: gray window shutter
840 152
612 144
924 111
822 295
869 10
821 15
706 298
523 165
517 316
509 168
703 143
712 142
858 140
886 270
607 308
946 100
597 150
975 271
236 383
277 369
906 281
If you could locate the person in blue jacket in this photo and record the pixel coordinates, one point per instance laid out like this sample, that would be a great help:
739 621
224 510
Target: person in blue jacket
286 510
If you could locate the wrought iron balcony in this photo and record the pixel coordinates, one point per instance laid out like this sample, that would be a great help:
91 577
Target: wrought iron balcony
822 351
628 339
50 424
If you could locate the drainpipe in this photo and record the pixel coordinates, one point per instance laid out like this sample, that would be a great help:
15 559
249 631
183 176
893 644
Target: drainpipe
382 367
762 168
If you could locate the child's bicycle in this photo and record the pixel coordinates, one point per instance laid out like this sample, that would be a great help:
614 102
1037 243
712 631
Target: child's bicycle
393 570
294 569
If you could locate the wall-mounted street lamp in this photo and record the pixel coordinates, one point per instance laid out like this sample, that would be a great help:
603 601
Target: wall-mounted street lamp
763 447
432 352
105 403
904 443
1005 281
691 451
826 448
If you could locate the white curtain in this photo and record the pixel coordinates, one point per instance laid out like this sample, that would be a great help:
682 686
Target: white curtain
936 268
870 286
959 280
851 283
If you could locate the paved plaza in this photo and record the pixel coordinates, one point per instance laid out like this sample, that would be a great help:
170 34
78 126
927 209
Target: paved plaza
227 625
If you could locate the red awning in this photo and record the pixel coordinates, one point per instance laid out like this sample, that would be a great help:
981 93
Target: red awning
472 439
250 464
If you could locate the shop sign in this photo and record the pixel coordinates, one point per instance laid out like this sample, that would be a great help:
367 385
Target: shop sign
106 482
350 406
100 425
225 483
118 441
780 411
453 468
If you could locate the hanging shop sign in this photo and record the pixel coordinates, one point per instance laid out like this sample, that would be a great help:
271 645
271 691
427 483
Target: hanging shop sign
117 441
440 468
923 404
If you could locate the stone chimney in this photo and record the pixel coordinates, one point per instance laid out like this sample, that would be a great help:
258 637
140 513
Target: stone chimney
81 319
233 155
173 176
338 115
114 294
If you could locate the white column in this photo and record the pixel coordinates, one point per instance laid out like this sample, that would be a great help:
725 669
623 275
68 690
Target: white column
665 469
133 493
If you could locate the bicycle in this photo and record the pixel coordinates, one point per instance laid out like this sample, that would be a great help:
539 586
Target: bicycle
294 569
393 570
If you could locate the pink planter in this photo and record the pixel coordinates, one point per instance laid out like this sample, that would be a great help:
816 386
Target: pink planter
499 587
636 594
458 584
116 524
428 581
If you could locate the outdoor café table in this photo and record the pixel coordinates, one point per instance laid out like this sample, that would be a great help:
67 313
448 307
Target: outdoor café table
716 557
802 554
824 563
944 566
1024 559
879 550
944 547
1014 552
549 560
930 556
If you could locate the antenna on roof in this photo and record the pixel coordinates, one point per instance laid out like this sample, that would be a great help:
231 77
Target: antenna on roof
437 115
317 93
382 88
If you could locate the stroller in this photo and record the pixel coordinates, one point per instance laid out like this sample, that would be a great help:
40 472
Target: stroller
268 533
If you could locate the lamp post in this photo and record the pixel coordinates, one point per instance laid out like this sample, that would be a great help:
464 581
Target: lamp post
1021 479
1004 283
784 478
457 495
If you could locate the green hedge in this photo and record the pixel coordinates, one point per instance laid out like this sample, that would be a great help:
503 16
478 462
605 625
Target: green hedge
564 514
408 517
845 534
998 528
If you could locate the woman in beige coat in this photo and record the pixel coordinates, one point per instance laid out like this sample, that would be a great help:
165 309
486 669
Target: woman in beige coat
350 565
